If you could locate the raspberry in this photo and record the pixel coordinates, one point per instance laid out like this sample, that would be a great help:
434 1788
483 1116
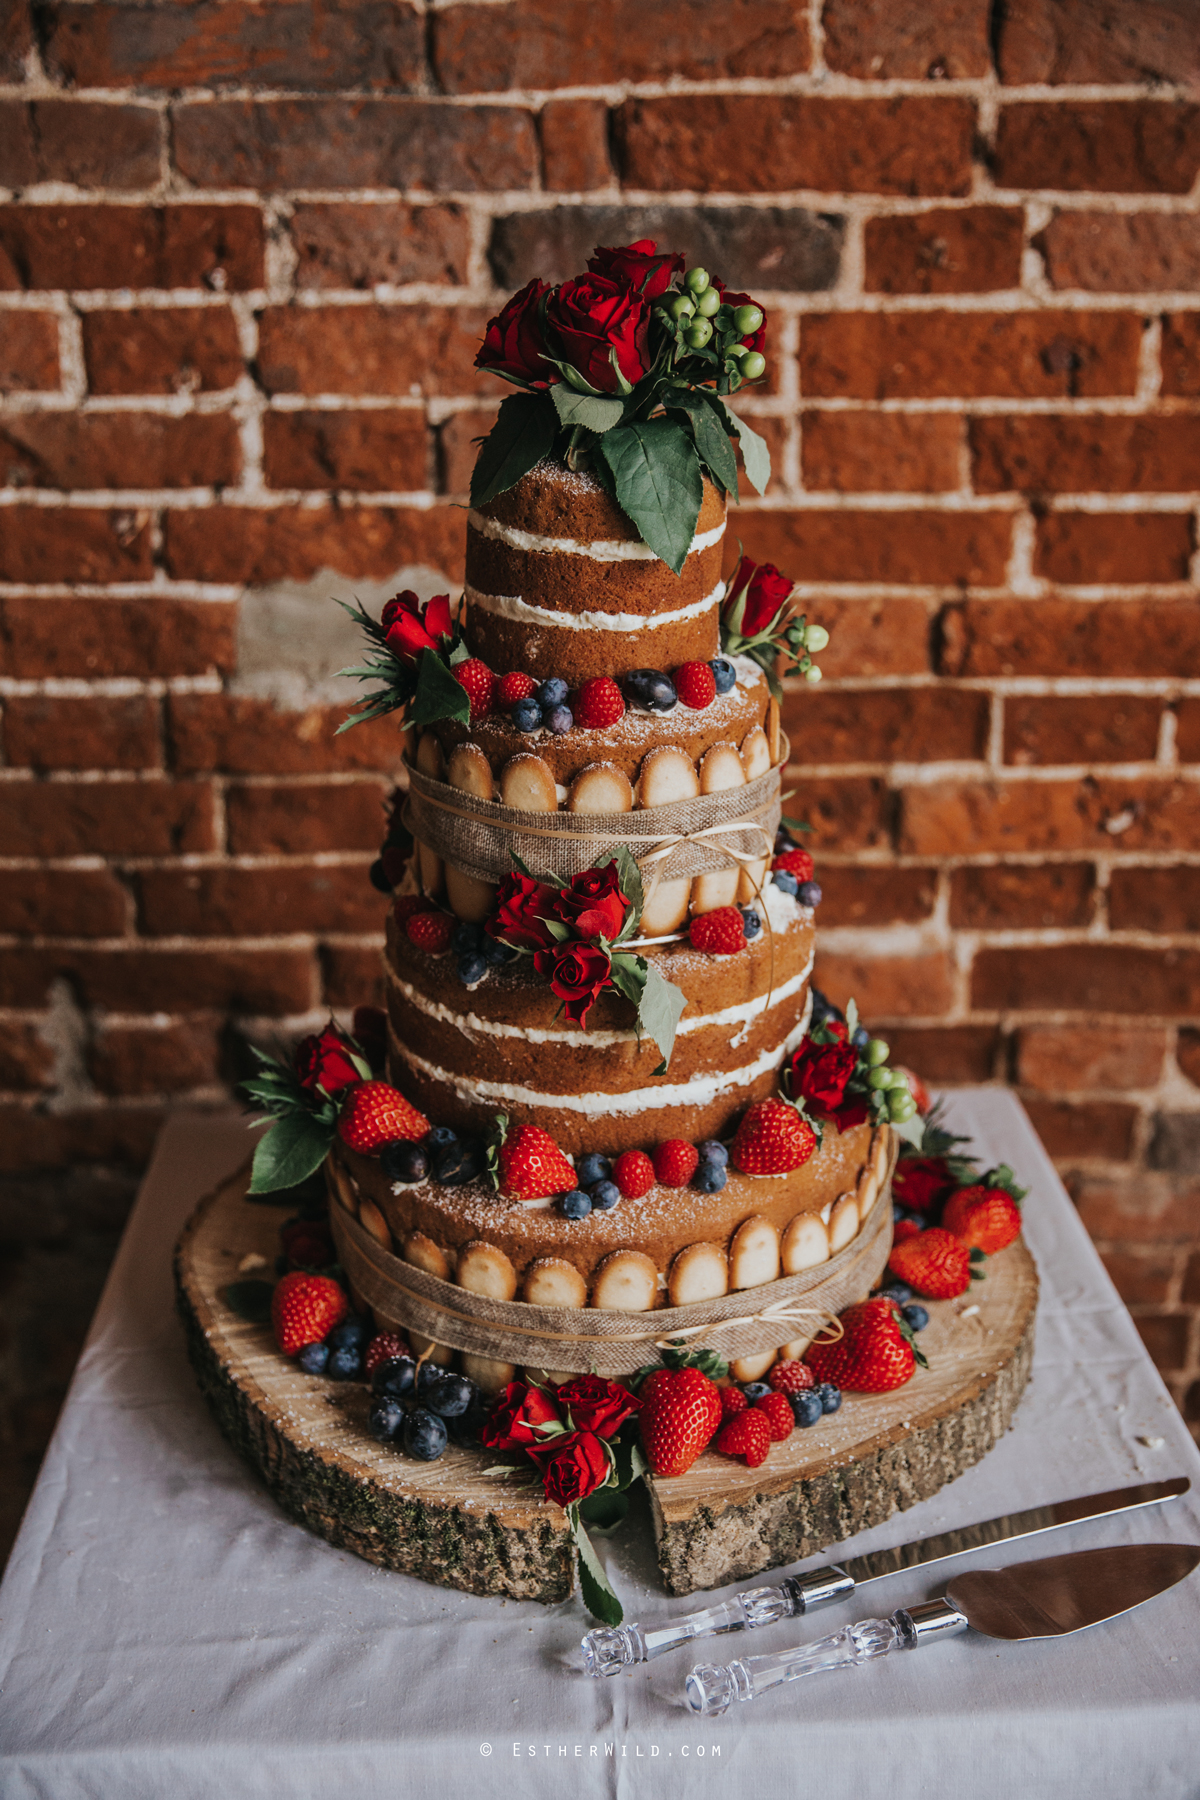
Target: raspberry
796 862
904 1229
675 1163
599 704
777 1410
719 933
747 1434
430 931
383 1348
406 905
514 687
696 685
634 1174
732 1401
479 684
791 1377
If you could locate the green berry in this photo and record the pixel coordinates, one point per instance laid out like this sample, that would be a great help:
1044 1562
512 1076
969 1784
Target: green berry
877 1052
754 365
899 1080
697 335
879 1079
680 307
901 1108
813 674
747 319
708 303
815 637
697 281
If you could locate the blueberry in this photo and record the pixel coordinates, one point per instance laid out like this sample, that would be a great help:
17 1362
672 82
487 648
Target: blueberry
472 968
808 893
711 1151
440 1138
915 1317
559 719
829 1396
575 1205
385 1419
754 1390
552 692
751 923
861 1037
344 1364
466 937
897 1291
313 1358
496 953
650 688
449 1396
806 1407
710 1178
724 673
395 1377
424 1435
786 882
351 1334
527 715
458 1164
592 1168
605 1195
377 876
402 1161
822 1008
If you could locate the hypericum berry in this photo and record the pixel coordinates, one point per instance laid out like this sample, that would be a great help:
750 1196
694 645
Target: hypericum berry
696 685
527 715
719 933
633 1173
724 674
551 692
479 684
797 862
675 1163
777 1410
791 1377
513 687
650 688
430 931
599 704
732 1401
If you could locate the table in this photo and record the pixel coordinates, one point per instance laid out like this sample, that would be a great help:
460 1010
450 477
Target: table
165 1631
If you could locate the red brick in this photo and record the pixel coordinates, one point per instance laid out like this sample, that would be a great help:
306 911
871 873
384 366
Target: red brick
243 736
458 446
144 978
947 250
893 40
352 975
1071 637
887 987
26 1059
84 142
1126 548
872 726
347 244
77 818
881 452
156 1059
1191 1282
372 350
1122 253
941 355
296 819
870 896
119 450
276 144
569 43
283 543
1021 896
1187 1054
1181 354
1144 1209
867 637
1088 41
16 40
1106 146
574 138
130 246
1086 452
896 548
368 451
1110 978
43 732
43 544
1165 1336
973 818
1069 1129
291 43
161 350
1187 730
1062 1059
1140 1276
63 903
1155 899
1080 728
92 638
28 352
946 1053
846 815
32 1140
758 143
259 902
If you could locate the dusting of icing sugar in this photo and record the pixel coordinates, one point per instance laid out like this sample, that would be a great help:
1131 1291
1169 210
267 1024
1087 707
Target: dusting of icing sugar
511 606
599 550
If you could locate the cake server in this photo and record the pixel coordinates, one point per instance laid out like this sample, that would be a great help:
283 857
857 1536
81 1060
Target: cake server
1051 1598
609 1649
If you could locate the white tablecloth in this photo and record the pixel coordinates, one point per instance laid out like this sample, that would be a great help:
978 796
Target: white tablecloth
166 1632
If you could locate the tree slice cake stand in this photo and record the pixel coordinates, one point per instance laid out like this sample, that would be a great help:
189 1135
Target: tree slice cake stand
450 1523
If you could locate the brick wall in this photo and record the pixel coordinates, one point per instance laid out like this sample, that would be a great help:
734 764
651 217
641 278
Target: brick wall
245 254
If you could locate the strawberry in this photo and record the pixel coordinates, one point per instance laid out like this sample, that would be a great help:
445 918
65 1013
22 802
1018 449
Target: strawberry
532 1166
719 933
479 684
633 1173
771 1139
675 1163
305 1309
777 1410
983 1218
904 1229
733 1401
696 685
407 906
514 687
791 1377
796 862
748 1435
375 1114
599 704
872 1357
935 1262
383 1347
681 1409
430 931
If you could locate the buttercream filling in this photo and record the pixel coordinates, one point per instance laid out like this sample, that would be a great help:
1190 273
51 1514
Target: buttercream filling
511 606
599 550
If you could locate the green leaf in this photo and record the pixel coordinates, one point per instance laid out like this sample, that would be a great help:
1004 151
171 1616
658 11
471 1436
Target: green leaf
912 1130
794 824
630 878
657 476
628 1460
660 1009
290 1151
250 1300
598 1596
712 445
438 695
627 974
851 1018
755 455
605 1509
595 412
523 434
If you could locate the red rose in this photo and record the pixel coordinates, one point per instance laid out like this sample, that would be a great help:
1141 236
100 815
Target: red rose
596 1404
412 625
756 339
325 1062
639 265
852 1113
593 903
922 1183
766 590
820 1073
524 907
513 343
595 318
572 1467
516 1412
577 973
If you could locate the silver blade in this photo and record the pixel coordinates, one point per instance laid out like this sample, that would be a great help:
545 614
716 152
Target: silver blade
1062 1594
878 1563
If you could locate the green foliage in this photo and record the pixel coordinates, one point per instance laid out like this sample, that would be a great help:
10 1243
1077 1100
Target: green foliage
656 474
523 434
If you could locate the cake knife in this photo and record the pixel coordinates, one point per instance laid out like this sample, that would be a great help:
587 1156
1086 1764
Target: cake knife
609 1649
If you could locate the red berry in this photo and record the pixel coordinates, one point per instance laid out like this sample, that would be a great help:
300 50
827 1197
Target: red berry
383 1348
791 1377
305 1309
871 1357
405 906
747 1434
732 1401
904 1229
513 687
680 1410
796 862
479 683
696 685
430 931
374 1114
772 1139
532 1166
934 1262
675 1163
633 1173
777 1410
984 1218
599 704
719 933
